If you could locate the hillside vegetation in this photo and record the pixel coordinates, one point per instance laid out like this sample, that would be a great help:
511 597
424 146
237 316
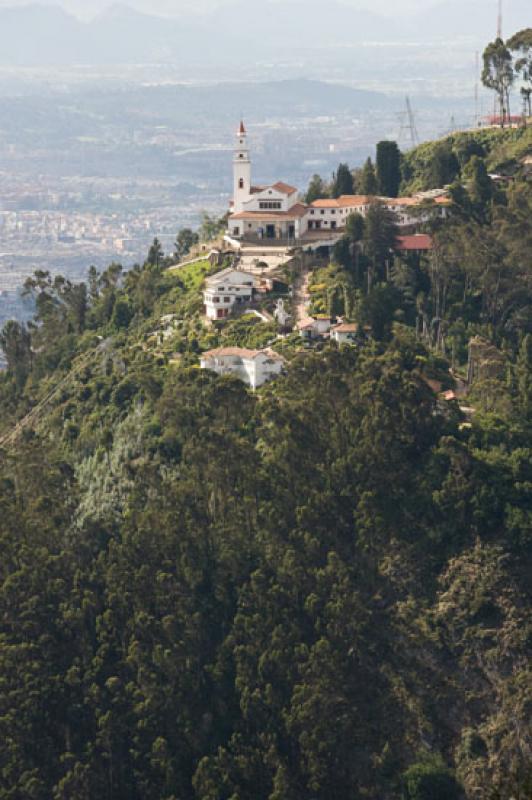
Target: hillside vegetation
318 590
446 159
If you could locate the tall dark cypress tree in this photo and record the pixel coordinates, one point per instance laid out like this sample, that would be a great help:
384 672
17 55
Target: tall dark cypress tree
368 179
343 181
388 168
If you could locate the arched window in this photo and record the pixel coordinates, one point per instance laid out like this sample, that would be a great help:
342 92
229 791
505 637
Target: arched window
241 183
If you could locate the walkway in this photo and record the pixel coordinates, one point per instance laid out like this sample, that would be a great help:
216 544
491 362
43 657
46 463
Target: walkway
301 295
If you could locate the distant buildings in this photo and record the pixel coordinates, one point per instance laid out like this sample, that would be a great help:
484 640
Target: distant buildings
254 367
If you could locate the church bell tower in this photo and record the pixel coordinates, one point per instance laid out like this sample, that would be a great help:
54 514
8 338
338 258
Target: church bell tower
241 171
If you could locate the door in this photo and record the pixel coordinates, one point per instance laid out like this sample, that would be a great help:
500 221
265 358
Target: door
291 231
270 231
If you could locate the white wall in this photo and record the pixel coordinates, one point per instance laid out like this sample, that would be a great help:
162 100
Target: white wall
268 195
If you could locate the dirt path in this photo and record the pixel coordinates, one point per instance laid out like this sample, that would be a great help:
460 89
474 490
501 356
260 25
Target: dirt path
301 296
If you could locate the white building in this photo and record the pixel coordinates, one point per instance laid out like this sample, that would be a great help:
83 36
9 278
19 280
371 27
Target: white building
254 367
345 333
330 214
314 327
262 212
273 214
226 290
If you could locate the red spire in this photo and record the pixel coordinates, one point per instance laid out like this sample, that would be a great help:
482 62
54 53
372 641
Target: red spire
242 130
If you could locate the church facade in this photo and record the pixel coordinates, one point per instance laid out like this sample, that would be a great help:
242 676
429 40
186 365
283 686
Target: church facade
274 213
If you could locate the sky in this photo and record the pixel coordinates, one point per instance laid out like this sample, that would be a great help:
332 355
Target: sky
88 8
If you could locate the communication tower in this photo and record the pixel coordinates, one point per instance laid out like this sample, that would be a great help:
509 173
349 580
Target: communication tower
408 124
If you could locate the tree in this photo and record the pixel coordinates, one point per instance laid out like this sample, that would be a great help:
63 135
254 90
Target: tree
343 181
521 44
316 190
185 241
211 227
444 166
480 187
155 254
523 372
354 227
430 779
368 179
15 341
388 168
379 239
498 74
122 314
346 251
377 310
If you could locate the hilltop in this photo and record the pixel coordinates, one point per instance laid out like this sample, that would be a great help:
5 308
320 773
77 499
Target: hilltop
318 589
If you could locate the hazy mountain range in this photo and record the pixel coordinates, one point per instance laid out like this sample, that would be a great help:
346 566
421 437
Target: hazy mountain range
46 34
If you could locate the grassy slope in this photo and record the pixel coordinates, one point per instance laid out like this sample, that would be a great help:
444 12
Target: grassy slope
503 147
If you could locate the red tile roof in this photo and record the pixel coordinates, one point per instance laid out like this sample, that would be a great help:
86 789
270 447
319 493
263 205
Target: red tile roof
416 241
242 352
299 210
346 327
345 201
284 188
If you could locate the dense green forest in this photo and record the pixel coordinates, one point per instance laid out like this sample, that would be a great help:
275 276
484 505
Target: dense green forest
318 591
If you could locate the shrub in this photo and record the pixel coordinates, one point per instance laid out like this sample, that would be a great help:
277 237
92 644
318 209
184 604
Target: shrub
430 779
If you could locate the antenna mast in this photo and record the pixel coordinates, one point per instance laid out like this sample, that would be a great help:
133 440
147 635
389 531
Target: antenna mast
408 124
411 127
499 21
477 72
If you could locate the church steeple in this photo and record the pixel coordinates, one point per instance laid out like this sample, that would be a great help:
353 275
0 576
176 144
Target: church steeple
241 171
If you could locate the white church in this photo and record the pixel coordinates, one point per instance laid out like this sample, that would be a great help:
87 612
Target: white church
274 214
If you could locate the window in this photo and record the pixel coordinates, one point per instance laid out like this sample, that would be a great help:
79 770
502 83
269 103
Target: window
226 300
312 212
215 299
241 155
272 204
241 183
333 212
236 231
323 212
